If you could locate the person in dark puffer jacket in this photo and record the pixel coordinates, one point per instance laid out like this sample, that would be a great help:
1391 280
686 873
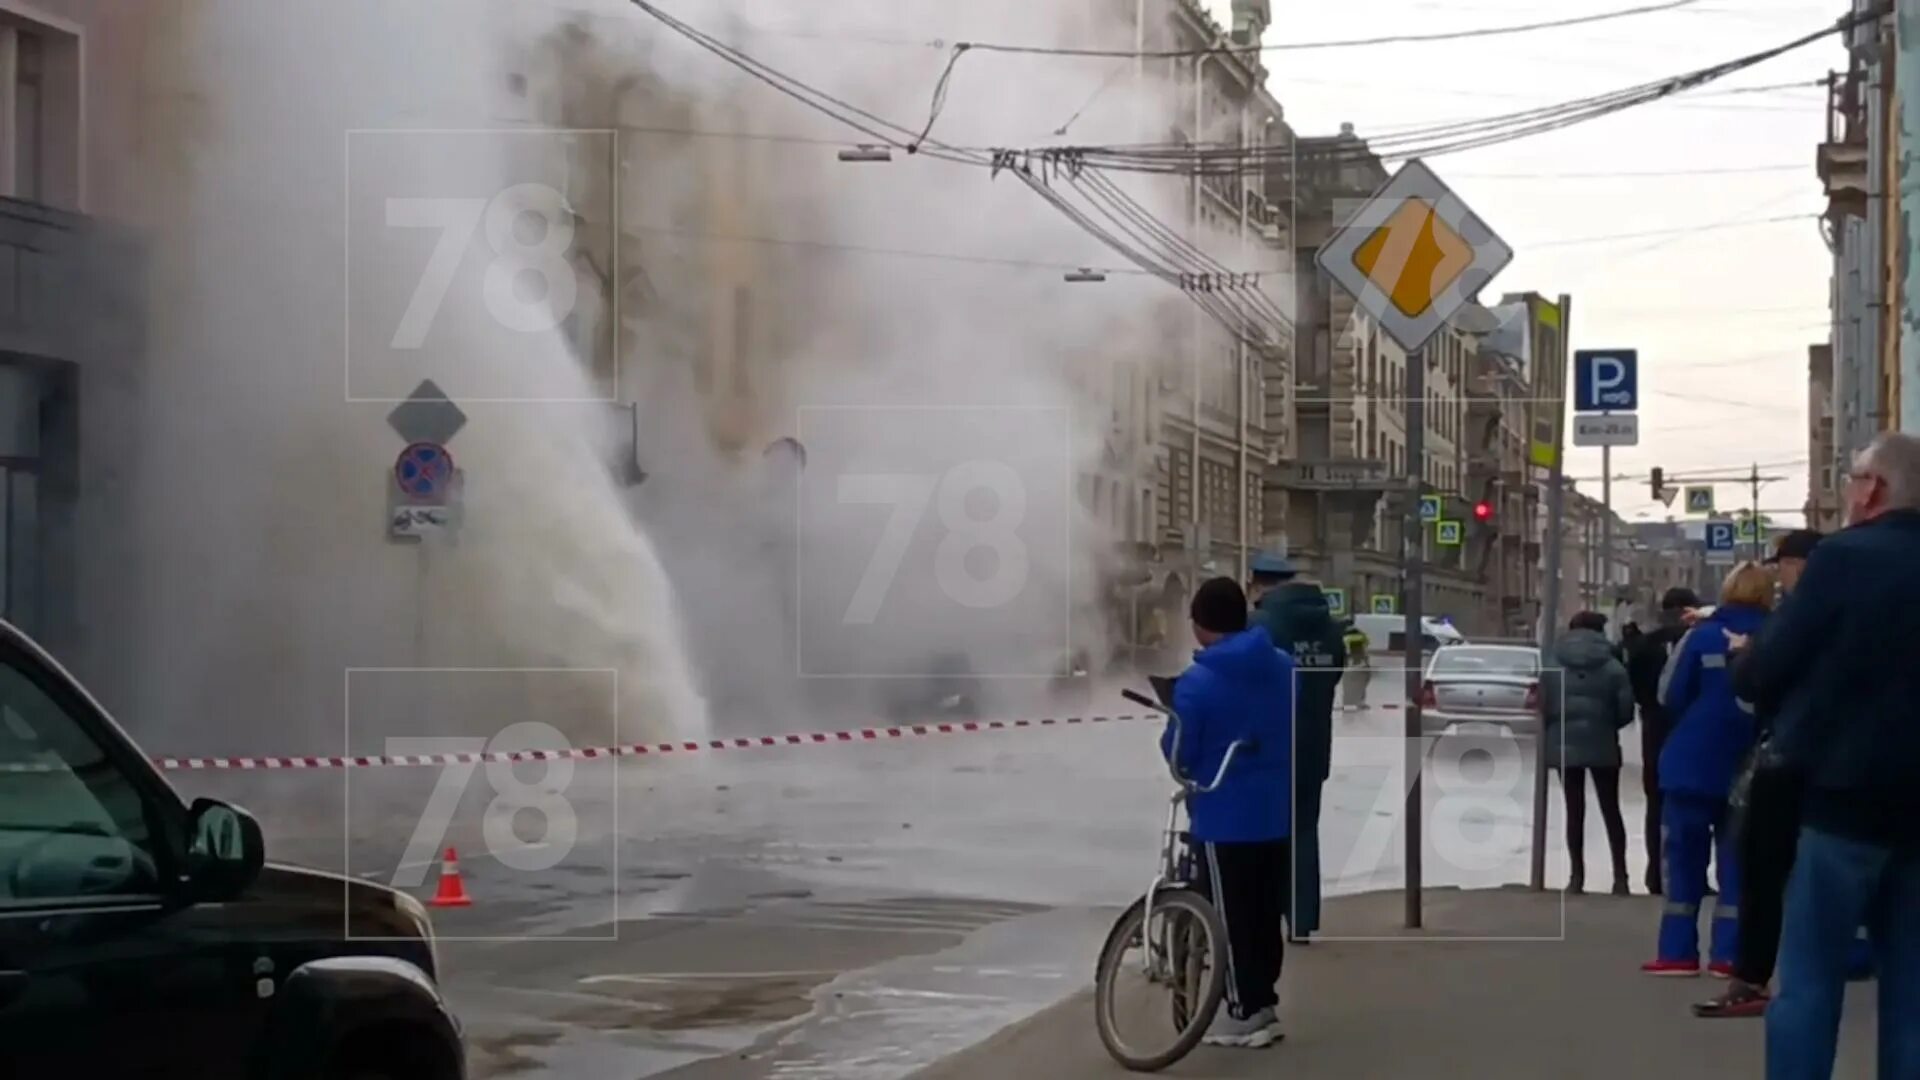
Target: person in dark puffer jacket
1646 659
1585 701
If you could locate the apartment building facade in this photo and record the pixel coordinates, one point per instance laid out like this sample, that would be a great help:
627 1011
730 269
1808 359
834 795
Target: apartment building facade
1858 166
72 324
1503 551
1216 404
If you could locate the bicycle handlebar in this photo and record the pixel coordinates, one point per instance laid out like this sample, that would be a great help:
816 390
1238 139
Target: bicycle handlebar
1188 785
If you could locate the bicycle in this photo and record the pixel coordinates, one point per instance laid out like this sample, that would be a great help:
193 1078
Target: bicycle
1186 954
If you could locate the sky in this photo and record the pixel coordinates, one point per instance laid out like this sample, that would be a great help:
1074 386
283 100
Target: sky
1722 318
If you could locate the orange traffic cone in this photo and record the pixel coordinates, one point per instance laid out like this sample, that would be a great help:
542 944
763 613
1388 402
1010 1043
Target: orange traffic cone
453 891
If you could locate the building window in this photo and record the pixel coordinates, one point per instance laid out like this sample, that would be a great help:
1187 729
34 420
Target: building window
29 117
39 112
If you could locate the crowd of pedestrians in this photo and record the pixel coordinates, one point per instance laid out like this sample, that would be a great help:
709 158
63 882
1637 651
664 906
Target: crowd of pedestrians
1781 748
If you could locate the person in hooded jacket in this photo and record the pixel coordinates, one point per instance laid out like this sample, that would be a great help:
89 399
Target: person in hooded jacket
1239 689
1712 735
1293 611
1585 700
1646 658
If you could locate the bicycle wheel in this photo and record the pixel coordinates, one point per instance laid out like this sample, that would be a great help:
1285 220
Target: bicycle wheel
1157 987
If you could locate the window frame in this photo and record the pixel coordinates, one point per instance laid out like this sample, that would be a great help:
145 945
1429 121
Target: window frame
166 815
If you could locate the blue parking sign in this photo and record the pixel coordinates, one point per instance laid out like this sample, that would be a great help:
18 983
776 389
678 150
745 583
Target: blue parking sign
1720 535
1606 380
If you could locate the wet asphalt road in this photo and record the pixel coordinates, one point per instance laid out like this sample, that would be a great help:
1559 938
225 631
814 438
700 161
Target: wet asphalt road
850 910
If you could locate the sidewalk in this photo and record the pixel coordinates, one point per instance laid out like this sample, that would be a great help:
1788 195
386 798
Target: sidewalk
1466 1009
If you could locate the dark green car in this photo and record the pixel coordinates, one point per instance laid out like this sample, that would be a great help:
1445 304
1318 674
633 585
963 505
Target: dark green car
142 937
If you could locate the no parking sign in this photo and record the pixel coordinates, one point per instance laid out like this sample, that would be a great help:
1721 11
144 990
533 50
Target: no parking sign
424 472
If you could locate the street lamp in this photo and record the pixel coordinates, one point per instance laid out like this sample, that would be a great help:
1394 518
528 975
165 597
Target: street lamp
867 152
1086 274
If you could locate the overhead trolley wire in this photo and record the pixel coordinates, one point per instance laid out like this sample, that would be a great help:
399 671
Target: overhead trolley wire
1430 140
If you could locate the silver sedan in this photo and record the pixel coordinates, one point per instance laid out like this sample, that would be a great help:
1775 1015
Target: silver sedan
1473 685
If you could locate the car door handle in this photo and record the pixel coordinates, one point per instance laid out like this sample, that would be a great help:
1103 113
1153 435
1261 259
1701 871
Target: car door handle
12 985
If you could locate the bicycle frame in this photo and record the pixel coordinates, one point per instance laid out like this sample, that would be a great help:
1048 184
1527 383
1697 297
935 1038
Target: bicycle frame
1170 875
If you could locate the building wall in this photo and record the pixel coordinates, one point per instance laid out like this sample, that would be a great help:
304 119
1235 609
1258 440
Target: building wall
85 112
1823 475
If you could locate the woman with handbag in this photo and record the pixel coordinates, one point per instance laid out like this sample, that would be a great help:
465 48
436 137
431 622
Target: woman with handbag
1585 700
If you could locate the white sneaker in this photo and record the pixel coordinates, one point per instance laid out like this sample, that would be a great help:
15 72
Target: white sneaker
1262 1029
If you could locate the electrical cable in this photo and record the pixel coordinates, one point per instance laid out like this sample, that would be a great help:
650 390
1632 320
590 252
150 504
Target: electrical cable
901 253
1348 43
1682 230
1433 139
1727 170
962 48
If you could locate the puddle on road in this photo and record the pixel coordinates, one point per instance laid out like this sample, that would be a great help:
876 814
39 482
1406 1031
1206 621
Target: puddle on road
694 1005
506 1055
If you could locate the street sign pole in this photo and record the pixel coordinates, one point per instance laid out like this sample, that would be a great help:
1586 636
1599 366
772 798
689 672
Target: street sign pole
1602 602
424 486
1371 257
1415 557
1550 603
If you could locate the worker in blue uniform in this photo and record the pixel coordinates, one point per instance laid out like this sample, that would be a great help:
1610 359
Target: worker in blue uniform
1697 768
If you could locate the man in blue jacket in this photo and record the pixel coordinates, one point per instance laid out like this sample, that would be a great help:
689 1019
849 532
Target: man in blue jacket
1294 612
1240 689
1839 668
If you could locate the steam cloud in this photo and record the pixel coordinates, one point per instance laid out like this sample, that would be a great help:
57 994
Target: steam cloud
265 585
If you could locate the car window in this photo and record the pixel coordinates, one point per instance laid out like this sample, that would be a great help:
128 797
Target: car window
1467 660
72 824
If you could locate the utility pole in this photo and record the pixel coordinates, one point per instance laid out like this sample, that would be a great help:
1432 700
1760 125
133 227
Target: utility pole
1759 541
1413 548
1550 602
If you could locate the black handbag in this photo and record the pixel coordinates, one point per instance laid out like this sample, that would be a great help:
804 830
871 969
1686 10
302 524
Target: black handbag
1762 755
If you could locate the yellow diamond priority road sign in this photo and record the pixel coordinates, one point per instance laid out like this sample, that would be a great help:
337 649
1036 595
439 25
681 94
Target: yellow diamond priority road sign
1413 255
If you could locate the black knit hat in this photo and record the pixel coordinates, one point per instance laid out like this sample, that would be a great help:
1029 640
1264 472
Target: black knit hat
1220 606
1797 544
1679 598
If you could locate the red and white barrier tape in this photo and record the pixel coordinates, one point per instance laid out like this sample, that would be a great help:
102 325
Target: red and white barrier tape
757 742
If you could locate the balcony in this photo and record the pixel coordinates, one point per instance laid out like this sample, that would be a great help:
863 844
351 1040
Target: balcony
1841 160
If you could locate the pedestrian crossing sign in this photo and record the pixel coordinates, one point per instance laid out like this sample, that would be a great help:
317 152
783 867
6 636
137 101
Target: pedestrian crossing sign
1749 529
1383 605
1700 500
1429 508
1336 602
1448 533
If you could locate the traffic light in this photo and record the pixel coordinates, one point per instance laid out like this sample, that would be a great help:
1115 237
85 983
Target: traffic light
1483 511
1659 481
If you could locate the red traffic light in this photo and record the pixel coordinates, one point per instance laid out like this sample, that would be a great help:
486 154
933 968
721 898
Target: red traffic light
1483 511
